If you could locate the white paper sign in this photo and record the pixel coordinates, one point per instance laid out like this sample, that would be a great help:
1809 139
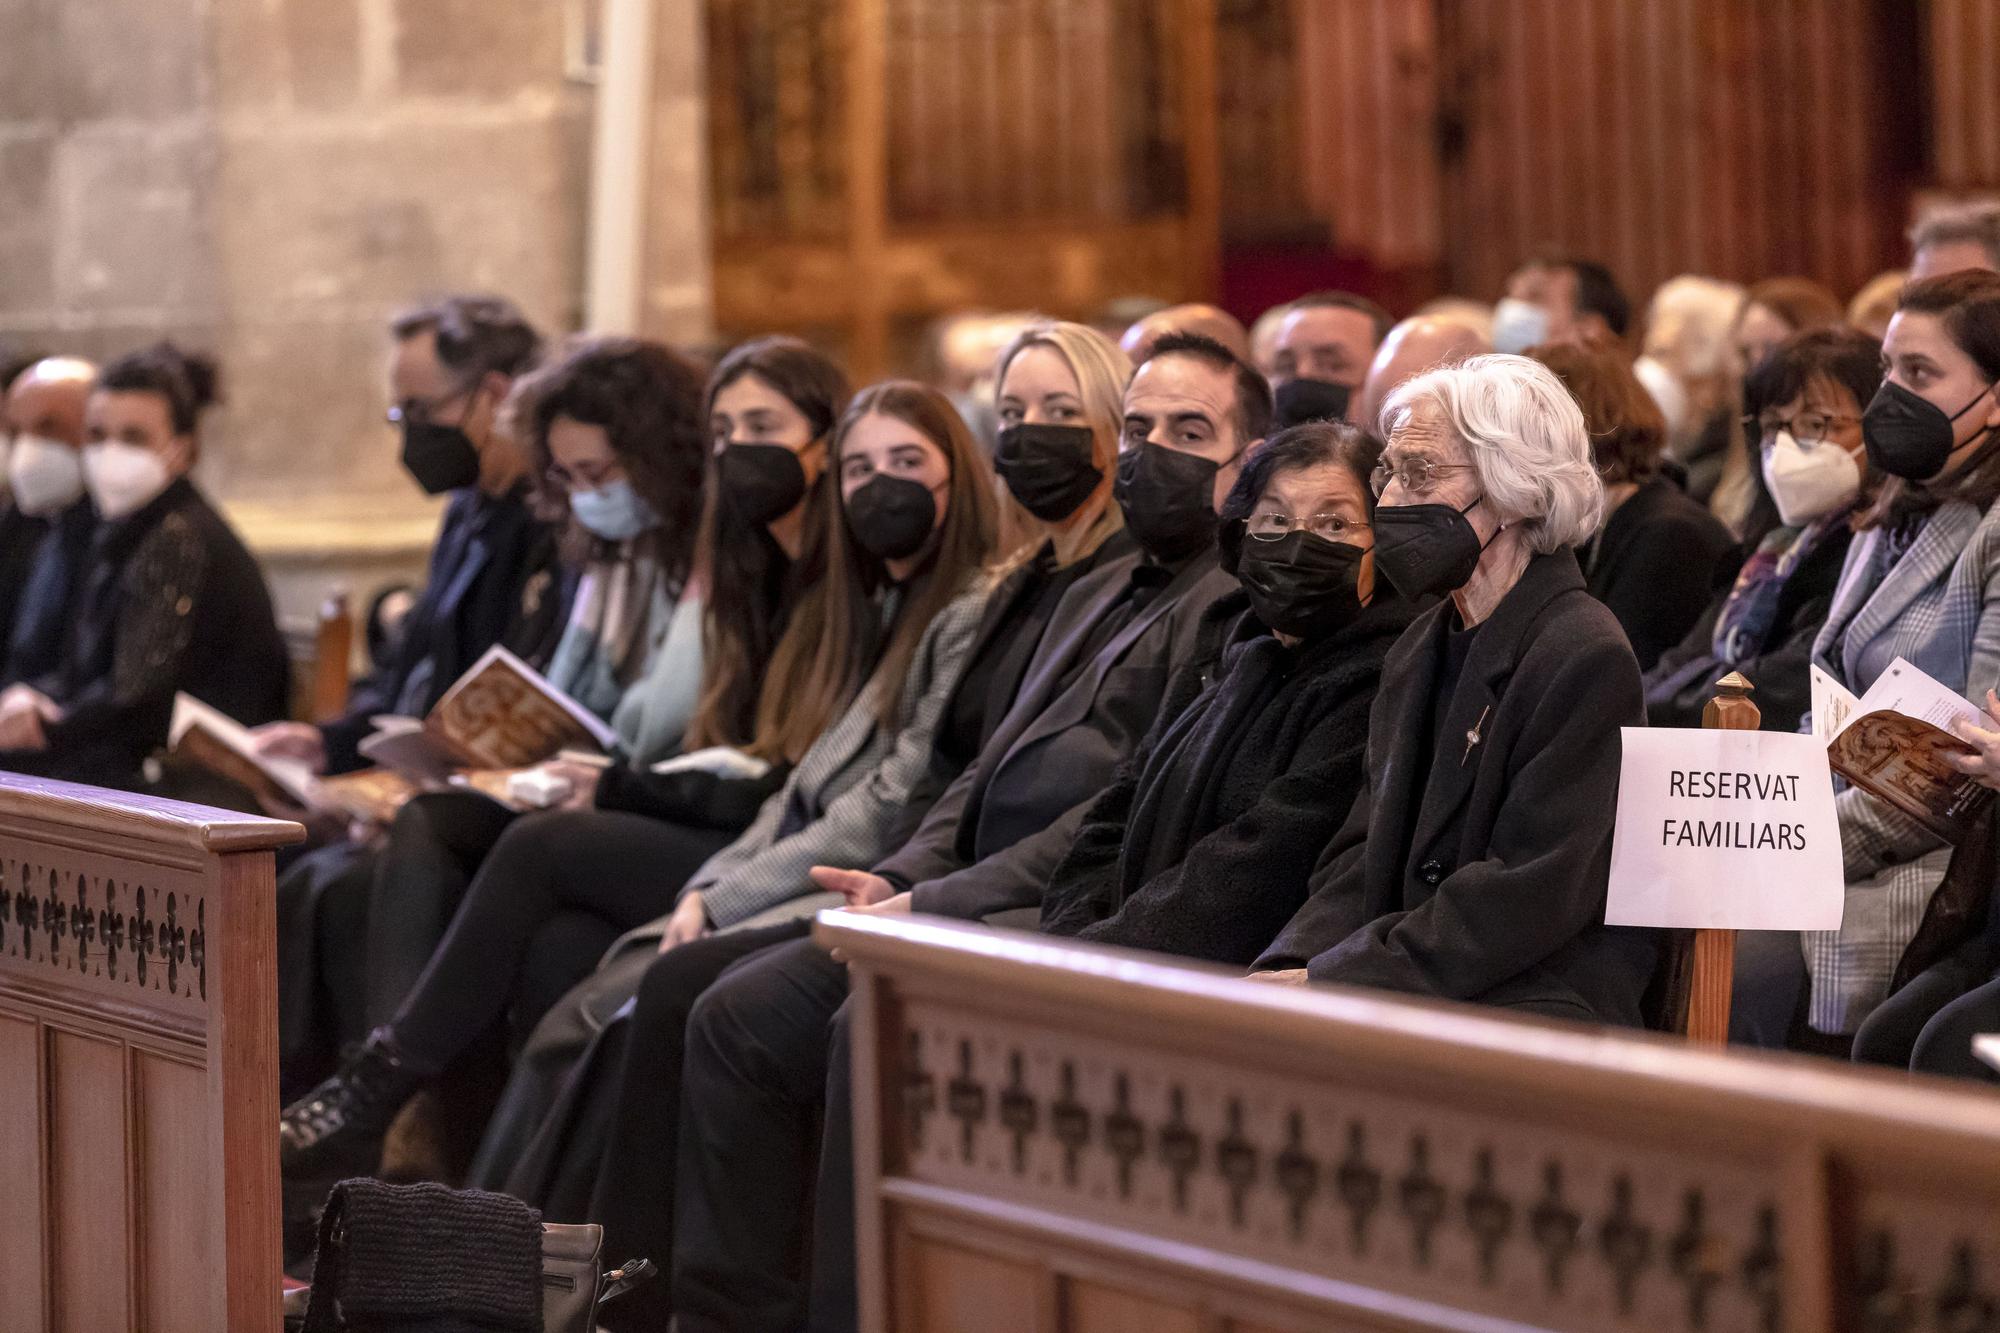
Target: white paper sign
1725 829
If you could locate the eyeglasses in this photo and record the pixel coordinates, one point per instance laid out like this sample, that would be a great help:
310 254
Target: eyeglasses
1271 526
1417 476
1804 426
417 411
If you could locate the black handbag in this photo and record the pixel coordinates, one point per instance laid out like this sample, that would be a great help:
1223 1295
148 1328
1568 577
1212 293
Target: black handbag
390 1254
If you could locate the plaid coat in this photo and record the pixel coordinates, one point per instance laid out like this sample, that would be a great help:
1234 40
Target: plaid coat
1939 607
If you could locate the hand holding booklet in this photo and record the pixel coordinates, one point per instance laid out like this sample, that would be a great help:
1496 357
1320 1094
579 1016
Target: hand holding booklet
1892 741
500 715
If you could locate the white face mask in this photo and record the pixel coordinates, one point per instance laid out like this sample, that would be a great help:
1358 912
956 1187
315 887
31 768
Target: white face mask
1518 325
123 478
45 475
1809 481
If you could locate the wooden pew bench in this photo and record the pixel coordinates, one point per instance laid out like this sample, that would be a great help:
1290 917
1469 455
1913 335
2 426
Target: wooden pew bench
1056 1137
138 1064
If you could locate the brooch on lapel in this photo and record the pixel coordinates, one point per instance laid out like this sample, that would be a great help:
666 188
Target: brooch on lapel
1472 736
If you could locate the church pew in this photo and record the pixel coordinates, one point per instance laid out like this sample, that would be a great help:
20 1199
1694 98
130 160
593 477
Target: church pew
1064 1138
138 1064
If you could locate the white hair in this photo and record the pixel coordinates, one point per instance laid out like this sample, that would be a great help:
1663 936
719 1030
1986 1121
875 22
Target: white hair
1689 322
1523 434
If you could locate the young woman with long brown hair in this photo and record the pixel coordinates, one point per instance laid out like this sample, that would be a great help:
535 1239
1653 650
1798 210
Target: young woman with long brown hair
878 642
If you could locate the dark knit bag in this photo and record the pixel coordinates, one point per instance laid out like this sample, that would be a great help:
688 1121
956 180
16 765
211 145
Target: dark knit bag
427 1259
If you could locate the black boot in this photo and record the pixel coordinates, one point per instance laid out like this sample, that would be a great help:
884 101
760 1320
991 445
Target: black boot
336 1130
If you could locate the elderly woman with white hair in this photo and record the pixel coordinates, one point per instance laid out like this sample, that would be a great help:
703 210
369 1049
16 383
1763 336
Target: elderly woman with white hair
1473 864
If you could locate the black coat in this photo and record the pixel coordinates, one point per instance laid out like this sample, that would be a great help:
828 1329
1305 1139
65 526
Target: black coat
1683 680
1489 885
20 538
49 596
1203 846
494 578
1659 562
171 601
992 839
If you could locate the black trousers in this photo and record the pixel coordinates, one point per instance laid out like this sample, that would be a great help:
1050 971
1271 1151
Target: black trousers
1929 1024
322 906
634 1191
753 1087
433 849
563 882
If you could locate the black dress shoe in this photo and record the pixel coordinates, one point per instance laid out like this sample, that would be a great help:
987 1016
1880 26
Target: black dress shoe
336 1130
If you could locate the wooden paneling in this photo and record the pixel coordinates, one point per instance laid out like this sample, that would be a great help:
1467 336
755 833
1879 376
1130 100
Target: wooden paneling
1242 1155
1964 56
951 1287
1731 137
1743 138
90 1164
138 1063
172 1197
21 1201
878 162
1370 126
1094 1307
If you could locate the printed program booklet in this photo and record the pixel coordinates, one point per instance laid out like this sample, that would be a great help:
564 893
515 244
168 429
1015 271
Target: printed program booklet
1892 741
500 715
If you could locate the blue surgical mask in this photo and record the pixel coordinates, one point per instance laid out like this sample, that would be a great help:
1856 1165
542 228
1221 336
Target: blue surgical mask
613 511
1519 325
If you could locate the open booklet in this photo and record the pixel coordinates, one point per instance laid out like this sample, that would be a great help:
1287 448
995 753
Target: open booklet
501 715
1892 741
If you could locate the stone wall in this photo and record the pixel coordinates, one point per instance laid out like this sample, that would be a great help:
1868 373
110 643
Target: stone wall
272 179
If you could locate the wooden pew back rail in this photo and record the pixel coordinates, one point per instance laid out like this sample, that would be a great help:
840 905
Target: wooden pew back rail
138 1058
1056 1137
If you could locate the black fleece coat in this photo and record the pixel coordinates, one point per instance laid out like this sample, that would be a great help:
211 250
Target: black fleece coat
1488 883
1203 845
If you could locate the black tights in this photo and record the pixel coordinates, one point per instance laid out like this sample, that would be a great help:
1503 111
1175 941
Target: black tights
547 869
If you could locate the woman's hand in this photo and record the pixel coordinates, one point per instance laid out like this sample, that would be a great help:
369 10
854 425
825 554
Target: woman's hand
582 779
1984 765
688 922
860 888
292 740
1291 976
23 712
898 905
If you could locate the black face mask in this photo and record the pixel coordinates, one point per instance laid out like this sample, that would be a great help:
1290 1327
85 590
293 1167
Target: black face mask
764 481
1048 468
1427 549
1301 584
441 458
1298 401
1909 436
891 517
1169 500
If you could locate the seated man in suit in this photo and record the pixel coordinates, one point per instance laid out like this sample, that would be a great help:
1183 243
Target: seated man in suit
757 1041
46 522
494 575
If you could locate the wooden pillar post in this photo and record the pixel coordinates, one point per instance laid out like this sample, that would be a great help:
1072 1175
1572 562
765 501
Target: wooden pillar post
1715 950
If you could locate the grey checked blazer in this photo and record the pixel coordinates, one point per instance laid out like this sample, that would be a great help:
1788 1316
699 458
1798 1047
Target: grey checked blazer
1939 607
852 782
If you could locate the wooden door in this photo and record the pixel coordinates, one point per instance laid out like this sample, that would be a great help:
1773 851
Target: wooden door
878 163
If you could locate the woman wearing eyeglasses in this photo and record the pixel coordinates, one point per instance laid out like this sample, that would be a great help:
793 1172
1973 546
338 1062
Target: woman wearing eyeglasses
1803 406
1203 845
1473 865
